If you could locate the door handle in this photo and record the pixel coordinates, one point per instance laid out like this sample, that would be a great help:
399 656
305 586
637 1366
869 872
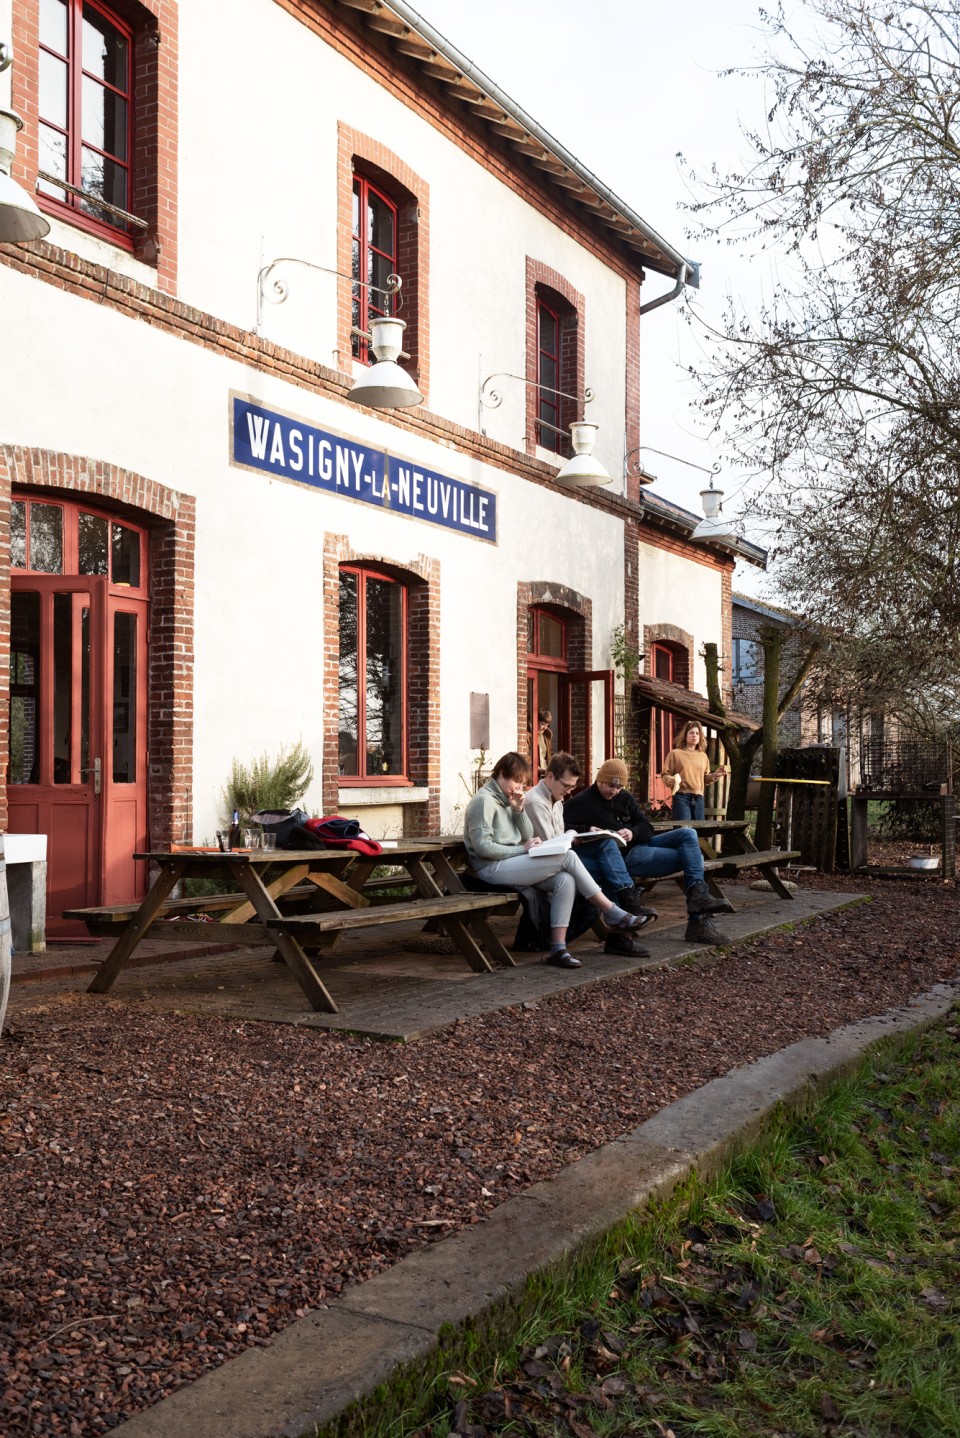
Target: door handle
95 770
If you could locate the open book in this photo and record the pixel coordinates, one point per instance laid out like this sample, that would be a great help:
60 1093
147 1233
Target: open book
563 843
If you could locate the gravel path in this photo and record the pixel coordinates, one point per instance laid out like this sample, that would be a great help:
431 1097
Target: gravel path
177 1189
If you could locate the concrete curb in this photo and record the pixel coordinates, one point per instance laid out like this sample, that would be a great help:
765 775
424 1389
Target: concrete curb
418 1314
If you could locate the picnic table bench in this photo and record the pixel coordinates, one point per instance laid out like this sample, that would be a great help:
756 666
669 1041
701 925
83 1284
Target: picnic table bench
462 916
270 881
736 851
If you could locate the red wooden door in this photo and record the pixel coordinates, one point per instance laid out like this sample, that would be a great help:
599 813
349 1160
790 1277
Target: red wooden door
77 763
586 701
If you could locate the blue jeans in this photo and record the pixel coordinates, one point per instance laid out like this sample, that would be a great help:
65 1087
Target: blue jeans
687 806
603 859
674 849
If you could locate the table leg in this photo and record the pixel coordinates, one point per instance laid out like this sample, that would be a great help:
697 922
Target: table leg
276 889
769 872
453 884
287 946
164 884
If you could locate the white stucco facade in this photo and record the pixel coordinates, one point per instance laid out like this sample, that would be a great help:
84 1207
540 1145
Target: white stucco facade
133 380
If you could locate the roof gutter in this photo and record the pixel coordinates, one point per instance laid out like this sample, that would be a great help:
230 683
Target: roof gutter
439 42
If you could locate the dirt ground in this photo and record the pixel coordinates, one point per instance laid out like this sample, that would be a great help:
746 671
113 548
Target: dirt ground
178 1188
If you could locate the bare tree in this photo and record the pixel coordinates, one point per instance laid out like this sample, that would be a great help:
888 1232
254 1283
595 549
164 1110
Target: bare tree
844 390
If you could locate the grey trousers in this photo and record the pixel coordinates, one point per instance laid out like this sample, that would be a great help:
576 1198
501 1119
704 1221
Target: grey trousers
561 876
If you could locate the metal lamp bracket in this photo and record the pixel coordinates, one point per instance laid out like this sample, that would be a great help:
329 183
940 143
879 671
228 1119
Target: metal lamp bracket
272 288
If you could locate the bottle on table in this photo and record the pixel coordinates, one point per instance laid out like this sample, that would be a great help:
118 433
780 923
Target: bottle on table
236 836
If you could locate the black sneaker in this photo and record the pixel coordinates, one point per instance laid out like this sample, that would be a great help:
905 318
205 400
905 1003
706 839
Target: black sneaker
702 930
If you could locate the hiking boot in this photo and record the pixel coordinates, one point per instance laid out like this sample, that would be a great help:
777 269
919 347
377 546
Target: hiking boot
625 946
632 901
701 901
702 930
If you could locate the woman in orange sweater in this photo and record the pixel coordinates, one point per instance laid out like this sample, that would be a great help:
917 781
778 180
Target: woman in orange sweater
686 771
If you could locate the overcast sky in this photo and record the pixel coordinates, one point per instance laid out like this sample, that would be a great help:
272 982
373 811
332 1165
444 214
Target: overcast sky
626 85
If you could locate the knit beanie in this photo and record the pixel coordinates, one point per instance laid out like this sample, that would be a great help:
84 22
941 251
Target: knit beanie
612 771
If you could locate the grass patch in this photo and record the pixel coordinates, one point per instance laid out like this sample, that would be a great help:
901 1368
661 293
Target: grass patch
811 1288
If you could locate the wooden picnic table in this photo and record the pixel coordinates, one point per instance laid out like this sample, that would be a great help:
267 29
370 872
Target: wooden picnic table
737 851
322 879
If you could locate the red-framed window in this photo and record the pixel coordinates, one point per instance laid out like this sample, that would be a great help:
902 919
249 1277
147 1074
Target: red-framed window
47 537
549 434
375 256
86 95
374 642
546 638
664 667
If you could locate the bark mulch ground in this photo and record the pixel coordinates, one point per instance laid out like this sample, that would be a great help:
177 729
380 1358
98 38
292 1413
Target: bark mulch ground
177 1189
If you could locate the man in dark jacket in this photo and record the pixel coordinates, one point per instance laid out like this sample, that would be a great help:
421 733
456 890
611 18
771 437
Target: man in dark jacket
607 804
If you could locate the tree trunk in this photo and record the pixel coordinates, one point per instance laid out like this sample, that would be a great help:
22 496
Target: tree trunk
739 755
772 641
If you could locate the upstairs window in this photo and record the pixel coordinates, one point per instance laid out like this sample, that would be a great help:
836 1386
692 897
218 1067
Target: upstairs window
549 434
375 256
86 90
747 661
556 367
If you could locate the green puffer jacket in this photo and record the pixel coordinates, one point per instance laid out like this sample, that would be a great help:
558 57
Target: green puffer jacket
492 829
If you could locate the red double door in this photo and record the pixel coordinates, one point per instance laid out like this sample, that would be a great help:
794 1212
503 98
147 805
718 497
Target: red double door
77 768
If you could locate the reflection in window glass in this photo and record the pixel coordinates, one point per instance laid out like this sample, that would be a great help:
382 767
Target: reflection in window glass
126 556
24 688
46 538
53 25
747 661
92 544
62 687
124 698
104 49
551 637
349 692
372 675
384 675
18 534
85 690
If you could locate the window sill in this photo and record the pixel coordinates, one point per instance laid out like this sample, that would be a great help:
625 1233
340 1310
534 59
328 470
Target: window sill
98 250
382 794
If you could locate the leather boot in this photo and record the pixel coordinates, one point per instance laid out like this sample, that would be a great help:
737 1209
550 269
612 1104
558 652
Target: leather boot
701 901
702 930
625 946
632 900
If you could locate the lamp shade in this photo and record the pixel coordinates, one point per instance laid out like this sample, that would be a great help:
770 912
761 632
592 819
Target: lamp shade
385 385
583 470
20 218
713 526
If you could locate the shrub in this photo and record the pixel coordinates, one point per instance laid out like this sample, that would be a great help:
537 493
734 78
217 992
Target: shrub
269 783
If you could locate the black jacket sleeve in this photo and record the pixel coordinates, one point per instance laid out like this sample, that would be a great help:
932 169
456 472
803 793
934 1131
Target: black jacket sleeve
631 816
